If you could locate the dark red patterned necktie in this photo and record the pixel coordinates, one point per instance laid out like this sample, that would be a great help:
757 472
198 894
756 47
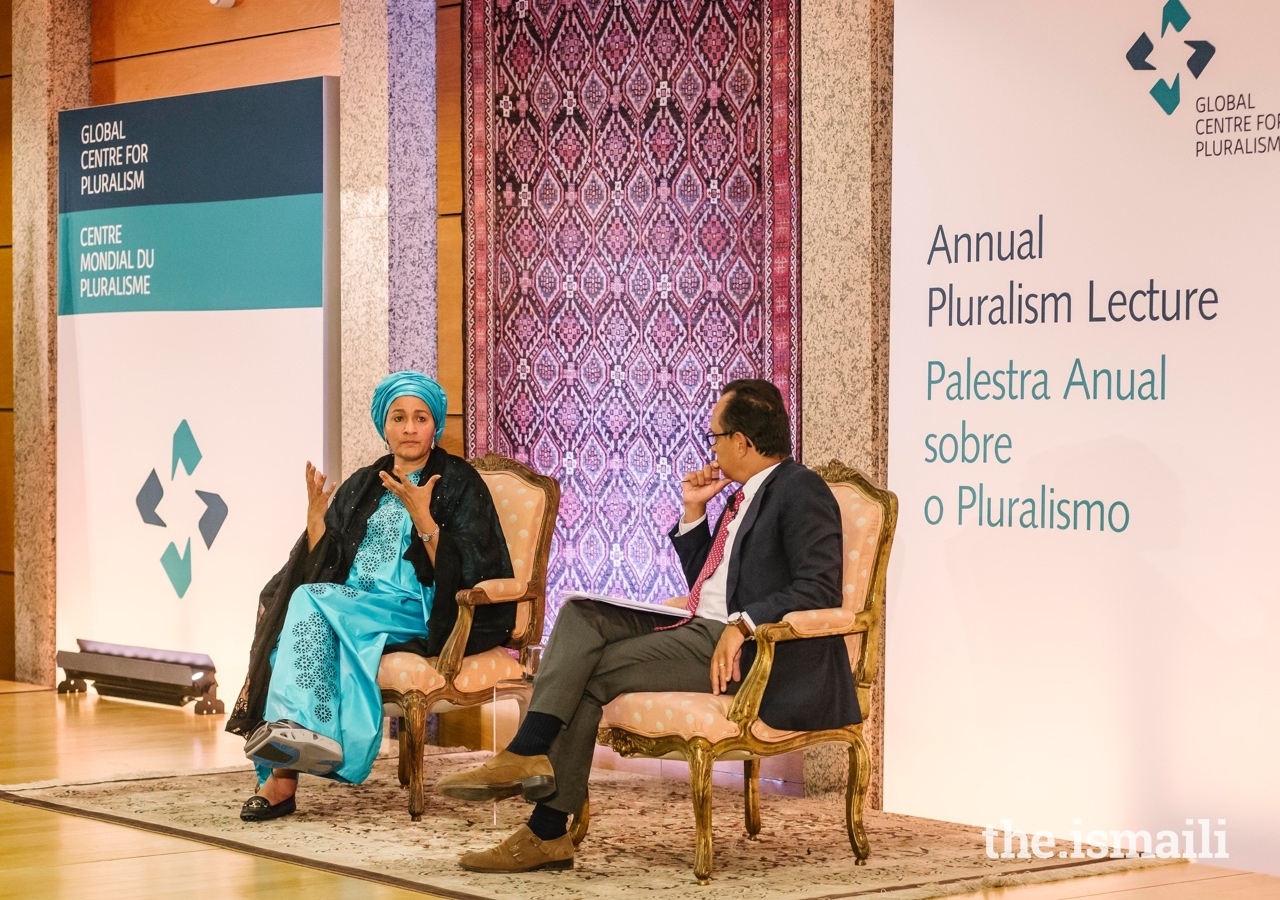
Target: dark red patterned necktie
716 556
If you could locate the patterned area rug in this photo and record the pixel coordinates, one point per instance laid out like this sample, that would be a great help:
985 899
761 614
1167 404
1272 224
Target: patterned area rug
632 240
641 839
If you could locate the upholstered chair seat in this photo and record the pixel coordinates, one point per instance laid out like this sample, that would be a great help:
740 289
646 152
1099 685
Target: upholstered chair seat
409 672
682 715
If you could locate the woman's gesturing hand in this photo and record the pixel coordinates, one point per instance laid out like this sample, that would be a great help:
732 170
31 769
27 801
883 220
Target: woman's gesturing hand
416 499
318 497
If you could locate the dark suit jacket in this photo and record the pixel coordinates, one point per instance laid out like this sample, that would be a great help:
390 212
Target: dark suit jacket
787 556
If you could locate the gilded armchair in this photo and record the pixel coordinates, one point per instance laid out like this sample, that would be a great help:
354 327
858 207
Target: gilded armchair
414 686
703 728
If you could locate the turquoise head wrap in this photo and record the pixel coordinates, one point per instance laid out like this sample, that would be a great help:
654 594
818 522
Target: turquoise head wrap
408 384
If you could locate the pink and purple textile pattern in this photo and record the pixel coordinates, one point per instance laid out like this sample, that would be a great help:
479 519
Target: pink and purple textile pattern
632 244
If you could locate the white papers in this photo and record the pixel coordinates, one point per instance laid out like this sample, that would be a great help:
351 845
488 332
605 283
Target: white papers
659 608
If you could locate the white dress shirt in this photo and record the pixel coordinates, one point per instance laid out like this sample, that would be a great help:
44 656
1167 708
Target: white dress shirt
714 603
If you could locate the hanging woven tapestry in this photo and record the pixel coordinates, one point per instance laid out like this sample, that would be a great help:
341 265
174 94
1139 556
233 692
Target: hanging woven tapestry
632 232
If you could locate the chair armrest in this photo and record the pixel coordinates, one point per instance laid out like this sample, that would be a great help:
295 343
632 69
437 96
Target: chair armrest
811 623
794 626
495 590
486 593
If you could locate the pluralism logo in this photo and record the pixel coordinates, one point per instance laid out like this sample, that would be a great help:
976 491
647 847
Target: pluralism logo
186 452
1168 94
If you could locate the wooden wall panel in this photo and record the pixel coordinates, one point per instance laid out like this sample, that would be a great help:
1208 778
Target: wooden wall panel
6 491
6 626
134 27
449 109
6 163
453 439
279 57
449 325
449 230
6 39
448 297
449 307
6 333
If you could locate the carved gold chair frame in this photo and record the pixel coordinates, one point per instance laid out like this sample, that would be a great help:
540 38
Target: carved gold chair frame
860 618
450 691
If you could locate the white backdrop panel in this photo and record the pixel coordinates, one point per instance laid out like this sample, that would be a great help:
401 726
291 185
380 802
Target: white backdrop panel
223 373
1127 679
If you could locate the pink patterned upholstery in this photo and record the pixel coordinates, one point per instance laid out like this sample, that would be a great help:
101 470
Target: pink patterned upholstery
504 588
486 669
677 714
521 507
820 622
688 715
524 614
860 519
408 672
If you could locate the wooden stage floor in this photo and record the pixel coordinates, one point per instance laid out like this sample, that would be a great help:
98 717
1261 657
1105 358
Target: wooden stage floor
49 855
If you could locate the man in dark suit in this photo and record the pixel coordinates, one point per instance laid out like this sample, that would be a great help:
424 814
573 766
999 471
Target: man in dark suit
776 549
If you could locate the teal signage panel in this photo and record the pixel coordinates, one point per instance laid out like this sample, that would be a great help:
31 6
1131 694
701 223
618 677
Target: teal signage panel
263 253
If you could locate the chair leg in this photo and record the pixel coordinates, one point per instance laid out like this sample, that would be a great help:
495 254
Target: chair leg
751 795
415 726
700 782
402 770
855 796
581 822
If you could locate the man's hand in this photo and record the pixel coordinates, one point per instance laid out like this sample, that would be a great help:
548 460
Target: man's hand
698 487
726 661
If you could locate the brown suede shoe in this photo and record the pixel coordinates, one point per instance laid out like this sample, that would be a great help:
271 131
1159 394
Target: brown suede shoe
522 852
501 776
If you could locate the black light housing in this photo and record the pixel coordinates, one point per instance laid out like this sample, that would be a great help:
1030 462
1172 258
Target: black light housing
172 677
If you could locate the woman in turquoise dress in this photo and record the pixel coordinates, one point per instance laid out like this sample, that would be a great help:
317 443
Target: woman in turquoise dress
377 570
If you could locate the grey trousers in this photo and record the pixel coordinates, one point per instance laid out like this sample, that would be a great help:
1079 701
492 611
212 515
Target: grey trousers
597 652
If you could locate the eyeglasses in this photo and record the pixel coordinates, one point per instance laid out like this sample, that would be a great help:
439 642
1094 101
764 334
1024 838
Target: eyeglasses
713 436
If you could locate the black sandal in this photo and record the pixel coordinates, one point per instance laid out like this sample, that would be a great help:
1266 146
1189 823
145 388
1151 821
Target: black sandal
257 809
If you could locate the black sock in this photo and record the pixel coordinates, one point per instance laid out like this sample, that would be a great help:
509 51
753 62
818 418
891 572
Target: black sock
535 735
547 823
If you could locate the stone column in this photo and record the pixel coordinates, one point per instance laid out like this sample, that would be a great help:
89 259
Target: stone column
411 173
388 205
846 49
50 74
364 223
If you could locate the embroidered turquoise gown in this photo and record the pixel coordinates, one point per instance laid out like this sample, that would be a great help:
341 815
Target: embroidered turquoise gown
324 671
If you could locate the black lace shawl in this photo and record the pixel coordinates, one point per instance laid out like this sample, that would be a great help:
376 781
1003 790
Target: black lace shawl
471 549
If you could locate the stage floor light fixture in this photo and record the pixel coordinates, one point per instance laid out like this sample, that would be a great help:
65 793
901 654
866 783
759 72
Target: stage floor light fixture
172 677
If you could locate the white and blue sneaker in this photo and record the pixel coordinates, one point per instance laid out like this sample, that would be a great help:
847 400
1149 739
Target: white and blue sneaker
287 745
